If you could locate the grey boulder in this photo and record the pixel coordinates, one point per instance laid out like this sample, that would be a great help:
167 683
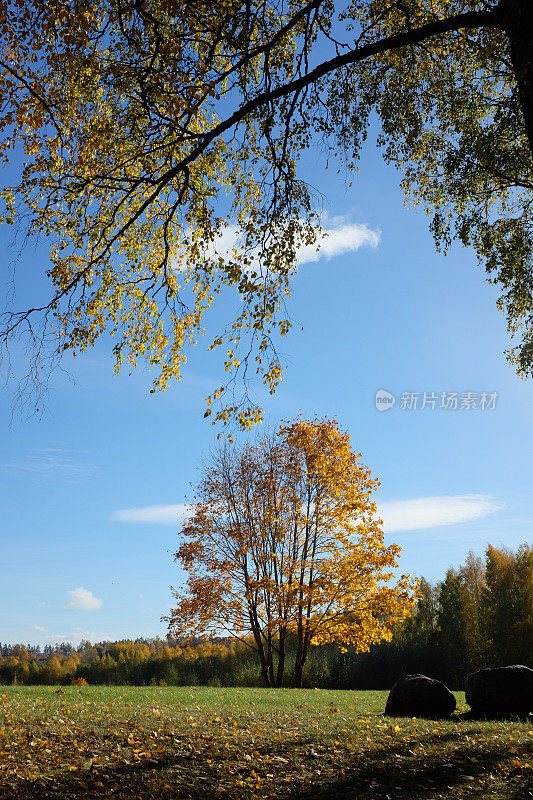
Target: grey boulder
500 691
420 696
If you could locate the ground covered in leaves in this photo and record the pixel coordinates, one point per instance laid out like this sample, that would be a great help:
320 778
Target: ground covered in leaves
185 742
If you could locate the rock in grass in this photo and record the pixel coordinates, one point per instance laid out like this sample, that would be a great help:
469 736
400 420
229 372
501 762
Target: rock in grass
500 691
420 696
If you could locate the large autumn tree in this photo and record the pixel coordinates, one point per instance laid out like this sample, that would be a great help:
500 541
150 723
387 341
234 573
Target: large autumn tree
156 131
284 546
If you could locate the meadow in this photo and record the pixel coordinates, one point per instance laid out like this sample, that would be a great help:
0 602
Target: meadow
202 742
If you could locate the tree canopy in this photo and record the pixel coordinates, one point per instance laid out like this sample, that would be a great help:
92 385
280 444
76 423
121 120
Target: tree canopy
156 131
284 546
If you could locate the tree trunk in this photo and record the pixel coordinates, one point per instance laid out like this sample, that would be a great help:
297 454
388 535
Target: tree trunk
265 674
262 658
269 658
299 663
301 655
517 21
301 658
281 659
298 673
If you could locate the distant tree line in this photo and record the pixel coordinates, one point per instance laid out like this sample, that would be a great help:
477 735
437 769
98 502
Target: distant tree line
480 615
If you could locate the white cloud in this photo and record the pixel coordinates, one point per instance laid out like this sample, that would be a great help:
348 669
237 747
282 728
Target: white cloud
38 628
432 512
84 599
342 237
159 515
338 236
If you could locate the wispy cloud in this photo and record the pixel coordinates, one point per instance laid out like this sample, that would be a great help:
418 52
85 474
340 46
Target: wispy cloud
38 628
83 599
432 512
54 463
338 236
401 515
78 635
159 515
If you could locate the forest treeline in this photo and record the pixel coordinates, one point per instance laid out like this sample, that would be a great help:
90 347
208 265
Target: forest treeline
480 615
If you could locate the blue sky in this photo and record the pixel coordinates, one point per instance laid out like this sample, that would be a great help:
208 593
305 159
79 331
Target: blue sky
93 486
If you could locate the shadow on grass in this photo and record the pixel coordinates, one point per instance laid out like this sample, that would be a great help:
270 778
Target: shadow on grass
469 716
399 771
396 773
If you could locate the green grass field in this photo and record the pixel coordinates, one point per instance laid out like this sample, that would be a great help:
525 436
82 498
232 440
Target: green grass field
185 742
